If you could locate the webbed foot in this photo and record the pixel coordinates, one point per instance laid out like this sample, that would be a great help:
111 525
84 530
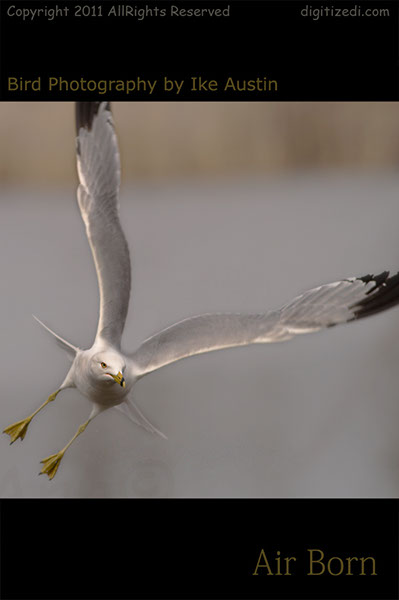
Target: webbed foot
51 464
18 429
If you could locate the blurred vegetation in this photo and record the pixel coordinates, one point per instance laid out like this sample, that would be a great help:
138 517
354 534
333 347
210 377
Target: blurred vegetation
203 139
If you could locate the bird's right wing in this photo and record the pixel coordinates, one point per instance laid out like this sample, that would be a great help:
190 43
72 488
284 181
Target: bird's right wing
318 308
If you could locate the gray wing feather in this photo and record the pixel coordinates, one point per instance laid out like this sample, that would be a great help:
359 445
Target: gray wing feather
99 174
318 308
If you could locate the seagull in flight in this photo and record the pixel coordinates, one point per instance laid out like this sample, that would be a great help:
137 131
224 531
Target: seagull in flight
106 374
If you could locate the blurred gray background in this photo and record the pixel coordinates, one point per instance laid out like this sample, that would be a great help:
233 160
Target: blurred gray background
226 207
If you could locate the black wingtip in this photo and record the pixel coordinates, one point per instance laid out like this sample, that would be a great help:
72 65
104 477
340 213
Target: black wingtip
383 295
85 113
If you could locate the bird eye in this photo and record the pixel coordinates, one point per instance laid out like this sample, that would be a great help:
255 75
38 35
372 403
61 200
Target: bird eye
104 366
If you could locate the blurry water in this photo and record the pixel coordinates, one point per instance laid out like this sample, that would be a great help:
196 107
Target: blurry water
316 416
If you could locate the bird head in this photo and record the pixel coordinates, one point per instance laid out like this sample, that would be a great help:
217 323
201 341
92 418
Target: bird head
109 367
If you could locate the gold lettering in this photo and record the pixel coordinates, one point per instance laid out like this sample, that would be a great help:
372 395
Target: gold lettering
363 560
329 565
12 84
349 560
265 565
287 564
312 560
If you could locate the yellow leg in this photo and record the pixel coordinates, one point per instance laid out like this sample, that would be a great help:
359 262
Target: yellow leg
19 429
51 463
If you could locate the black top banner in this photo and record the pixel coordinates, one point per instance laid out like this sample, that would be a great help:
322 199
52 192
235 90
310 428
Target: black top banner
203 51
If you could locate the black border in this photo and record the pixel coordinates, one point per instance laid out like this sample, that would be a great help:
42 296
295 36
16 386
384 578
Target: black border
192 548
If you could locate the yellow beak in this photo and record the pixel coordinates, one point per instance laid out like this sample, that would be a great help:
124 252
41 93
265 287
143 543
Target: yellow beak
119 379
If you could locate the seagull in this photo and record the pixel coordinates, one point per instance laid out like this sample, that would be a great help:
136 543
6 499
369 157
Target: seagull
104 373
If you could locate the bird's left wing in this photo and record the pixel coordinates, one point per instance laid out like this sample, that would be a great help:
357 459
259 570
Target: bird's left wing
318 308
99 175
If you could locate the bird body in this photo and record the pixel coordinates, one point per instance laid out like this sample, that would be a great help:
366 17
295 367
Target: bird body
104 373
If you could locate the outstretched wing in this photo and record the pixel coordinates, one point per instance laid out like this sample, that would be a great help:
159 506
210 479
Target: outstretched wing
99 175
318 308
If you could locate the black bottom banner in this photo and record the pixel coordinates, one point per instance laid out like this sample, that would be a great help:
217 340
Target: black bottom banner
199 549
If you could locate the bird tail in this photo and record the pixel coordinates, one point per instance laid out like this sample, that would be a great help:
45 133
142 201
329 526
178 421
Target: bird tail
69 348
134 414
